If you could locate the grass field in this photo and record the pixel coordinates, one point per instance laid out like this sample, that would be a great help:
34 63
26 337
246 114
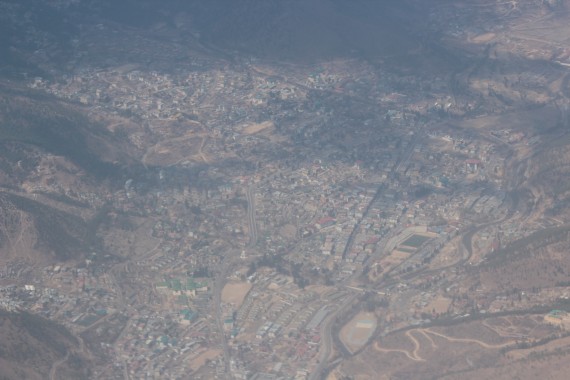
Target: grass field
415 241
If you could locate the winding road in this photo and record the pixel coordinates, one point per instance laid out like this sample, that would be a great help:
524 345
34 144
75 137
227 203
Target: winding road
327 341
55 365
414 355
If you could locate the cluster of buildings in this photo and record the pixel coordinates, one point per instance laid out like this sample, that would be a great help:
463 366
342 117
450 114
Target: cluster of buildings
358 178
335 216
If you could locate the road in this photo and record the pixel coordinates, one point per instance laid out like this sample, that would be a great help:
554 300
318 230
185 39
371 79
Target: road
356 228
405 157
126 371
55 365
466 340
222 275
326 330
327 341
250 194
219 283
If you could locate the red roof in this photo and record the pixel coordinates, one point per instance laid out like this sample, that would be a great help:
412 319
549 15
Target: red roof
325 220
372 240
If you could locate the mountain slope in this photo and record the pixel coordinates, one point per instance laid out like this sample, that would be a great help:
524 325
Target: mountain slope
57 128
32 345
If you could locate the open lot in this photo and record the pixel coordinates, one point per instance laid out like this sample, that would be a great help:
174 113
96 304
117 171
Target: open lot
201 359
234 293
258 127
487 344
355 334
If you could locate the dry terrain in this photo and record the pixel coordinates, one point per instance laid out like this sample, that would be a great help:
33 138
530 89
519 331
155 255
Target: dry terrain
235 292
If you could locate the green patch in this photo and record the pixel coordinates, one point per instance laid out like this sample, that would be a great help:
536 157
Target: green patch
88 320
415 241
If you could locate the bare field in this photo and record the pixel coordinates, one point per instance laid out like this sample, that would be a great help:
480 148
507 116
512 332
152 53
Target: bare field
234 293
175 150
288 231
524 120
356 333
448 255
440 350
258 127
395 258
440 305
201 359
483 38
555 367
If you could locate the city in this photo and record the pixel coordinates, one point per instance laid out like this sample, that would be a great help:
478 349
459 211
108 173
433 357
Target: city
286 218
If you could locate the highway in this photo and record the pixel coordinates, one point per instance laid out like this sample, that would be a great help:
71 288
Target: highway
356 228
326 329
222 275
218 286
327 340
408 155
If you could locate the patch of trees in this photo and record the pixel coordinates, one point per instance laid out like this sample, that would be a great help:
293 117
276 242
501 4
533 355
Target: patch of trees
528 245
536 343
202 272
372 301
282 267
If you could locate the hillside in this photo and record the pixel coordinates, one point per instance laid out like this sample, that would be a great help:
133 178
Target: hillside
55 127
36 348
31 229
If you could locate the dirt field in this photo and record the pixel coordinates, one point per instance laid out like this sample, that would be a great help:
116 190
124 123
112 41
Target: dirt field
234 293
448 255
356 333
175 150
288 231
439 304
201 359
484 38
256 128
395 258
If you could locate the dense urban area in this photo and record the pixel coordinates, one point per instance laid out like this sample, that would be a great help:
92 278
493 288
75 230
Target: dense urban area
302 221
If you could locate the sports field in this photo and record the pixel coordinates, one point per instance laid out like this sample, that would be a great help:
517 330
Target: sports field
415 241
355 334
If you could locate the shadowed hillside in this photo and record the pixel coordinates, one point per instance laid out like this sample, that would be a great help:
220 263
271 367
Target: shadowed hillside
32 345
56 128
27 225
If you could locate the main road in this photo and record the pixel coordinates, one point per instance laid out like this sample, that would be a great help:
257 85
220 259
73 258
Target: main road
327 344
222 275
326 330
219 283
250 195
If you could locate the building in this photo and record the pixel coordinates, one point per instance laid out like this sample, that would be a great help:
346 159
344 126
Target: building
558 318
